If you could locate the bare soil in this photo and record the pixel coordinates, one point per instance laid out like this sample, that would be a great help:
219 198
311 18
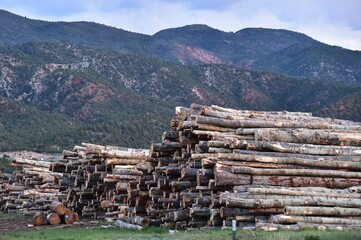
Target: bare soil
19 222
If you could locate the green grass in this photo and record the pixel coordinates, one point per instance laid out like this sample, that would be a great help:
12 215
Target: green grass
85 233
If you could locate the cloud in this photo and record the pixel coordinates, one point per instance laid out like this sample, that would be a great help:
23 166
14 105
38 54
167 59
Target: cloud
331 21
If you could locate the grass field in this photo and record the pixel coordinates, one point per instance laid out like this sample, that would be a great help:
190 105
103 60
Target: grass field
15 226
161 233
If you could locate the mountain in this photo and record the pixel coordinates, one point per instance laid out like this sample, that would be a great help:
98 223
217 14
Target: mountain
65 83
271 50
55 95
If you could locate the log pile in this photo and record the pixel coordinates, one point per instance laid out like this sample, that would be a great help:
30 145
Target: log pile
267 170
31 188
57 214
107 181
218 164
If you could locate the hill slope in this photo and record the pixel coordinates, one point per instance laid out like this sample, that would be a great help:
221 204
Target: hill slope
55 95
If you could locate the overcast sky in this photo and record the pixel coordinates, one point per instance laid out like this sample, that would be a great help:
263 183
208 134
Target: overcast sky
335 22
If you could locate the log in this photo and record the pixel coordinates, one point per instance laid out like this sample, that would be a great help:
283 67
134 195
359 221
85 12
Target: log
321 211
234 201
178 215
286 219
138 220
261 123
319 137
35 163
307 161
211 162
350 158
250 113
38 219
121 161
226 212
68 217
312 149
124 171
225 178
53 219
303 192
294 181
122 224
58 208
294 172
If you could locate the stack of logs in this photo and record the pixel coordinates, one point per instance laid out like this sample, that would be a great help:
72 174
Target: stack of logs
266 170
57 214
218 164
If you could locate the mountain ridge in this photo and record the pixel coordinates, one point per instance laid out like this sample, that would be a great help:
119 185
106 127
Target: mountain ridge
85 82
249 48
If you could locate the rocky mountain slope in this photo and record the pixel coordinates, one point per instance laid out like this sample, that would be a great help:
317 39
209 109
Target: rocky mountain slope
55 95
66 83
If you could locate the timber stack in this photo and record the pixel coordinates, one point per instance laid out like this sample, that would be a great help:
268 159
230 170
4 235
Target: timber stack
266 170
218 164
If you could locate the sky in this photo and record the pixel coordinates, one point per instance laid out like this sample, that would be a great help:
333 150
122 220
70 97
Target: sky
335 22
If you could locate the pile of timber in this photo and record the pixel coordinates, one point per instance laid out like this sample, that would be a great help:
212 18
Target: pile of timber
266 170
105 181
31 188
213 159
57 214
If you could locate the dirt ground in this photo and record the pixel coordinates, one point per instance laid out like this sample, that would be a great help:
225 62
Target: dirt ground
19 222
14 222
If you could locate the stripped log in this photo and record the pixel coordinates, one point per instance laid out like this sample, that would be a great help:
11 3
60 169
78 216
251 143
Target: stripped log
294 172
319 137
286 219
321 211
288 201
